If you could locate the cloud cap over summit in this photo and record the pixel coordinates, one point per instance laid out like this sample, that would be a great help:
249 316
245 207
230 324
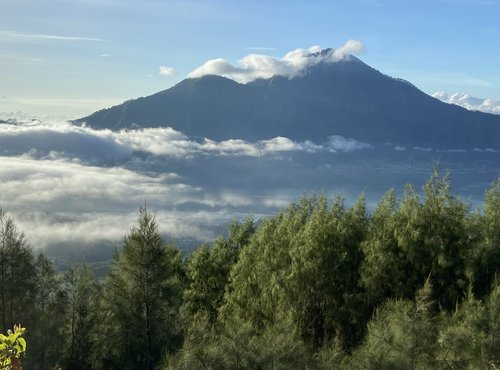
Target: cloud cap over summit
293 64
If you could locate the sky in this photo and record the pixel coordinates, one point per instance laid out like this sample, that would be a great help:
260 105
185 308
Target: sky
72 57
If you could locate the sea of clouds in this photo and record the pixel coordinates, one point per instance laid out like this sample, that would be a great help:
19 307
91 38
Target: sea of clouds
66 182
73 185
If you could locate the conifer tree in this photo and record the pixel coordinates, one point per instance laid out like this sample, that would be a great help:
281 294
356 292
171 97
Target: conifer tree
207 271
47 335
16 276
82 318
401 335
142 299
484 261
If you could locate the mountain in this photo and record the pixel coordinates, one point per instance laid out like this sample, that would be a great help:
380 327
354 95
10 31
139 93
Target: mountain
346 97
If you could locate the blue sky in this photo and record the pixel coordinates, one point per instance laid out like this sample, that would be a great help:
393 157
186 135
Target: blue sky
76 56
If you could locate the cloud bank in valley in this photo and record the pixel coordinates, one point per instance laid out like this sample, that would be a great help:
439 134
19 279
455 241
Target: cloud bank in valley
68 184
488 105
65 182
294 63
62 139
62 201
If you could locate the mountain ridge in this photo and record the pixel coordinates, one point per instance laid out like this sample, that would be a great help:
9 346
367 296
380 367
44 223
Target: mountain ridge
346 97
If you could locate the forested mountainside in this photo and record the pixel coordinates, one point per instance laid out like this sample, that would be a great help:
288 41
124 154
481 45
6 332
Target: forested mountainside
319 285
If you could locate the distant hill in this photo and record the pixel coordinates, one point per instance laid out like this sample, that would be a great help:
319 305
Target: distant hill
346 97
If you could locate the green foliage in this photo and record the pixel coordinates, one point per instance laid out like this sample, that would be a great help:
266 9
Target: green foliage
383 272
304 261
400 336
47 337
319 285
490 349
460 336
82 317
238 345
208 269
16 275
323 281
142 299
12 346
412 239
485 256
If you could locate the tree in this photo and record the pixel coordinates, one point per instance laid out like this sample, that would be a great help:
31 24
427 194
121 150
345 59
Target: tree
461 335
401 335
47 333
208 269
411 239
491 342
324 274
16 275
304 261
142 298
82 291
484 261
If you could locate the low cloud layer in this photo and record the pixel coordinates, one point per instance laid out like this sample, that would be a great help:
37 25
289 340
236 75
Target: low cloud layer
70 185
488 105
62 201
294 63
64 140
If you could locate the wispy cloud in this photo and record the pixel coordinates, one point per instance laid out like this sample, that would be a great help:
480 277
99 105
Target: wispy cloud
294 63
21 36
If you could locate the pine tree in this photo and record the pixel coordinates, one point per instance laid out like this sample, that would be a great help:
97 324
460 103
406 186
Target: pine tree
142 299
208 269
484 261
16 276
401 335
82 319
47 335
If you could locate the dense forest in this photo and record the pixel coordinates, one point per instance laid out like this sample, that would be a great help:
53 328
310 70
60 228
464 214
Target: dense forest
320 285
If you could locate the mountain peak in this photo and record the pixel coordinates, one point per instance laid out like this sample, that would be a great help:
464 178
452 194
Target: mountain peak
346 97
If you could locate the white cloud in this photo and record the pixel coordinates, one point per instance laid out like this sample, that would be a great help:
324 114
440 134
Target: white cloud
343 144
354 47
68 183
294 63
166 71
488 105
62 201
62 139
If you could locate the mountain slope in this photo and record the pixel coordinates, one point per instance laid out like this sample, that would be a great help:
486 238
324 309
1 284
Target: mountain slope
346 98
